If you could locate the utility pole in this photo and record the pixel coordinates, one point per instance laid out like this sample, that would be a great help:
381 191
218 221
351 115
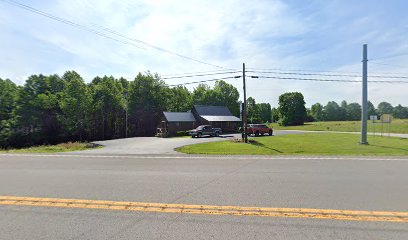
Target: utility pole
126 116
244 117
364 102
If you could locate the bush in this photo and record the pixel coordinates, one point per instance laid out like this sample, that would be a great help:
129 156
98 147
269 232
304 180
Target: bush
181 133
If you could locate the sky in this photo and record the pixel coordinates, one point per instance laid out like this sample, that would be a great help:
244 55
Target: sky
285 36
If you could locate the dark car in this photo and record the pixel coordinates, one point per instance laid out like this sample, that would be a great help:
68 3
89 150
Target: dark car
207 130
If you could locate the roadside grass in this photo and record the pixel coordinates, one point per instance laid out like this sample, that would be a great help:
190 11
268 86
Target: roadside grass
397 126
305 144
62 147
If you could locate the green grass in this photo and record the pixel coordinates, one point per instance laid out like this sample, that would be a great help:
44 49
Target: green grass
305 144
62 147
397 126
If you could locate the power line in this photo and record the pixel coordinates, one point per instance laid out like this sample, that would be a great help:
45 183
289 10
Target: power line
324 80
389 56
328 75
391 65
307 74
203 81
198 75
202 72
299 70
74 24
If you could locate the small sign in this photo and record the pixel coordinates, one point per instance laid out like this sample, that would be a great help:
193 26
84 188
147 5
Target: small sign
386 118
373 117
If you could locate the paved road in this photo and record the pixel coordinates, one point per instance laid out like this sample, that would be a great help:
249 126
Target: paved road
154 145
378 184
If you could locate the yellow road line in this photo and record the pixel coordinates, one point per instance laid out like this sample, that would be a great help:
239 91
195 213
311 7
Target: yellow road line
209 209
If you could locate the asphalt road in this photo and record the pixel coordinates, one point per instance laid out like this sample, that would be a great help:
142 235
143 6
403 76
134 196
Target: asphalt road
377 184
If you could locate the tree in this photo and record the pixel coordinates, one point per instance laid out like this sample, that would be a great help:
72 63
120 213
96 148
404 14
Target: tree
371 109
37 110
343 111
317 112
108 108
227 95
265 112
292 110
275 115
252 111
75 104
180 99
147 99
309 116
353 112
400 112
333 111
384 108
223 94
8 100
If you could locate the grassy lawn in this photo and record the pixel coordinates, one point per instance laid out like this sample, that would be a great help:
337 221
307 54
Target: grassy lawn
305 144
62 147
397 126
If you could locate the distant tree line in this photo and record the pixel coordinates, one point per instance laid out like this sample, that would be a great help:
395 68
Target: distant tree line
52 109
352 111
292 111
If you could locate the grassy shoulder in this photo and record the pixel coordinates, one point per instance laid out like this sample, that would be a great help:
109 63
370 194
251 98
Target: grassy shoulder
62 147
397 126
305 144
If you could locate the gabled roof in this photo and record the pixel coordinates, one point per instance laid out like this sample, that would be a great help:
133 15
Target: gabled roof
203 110
179 116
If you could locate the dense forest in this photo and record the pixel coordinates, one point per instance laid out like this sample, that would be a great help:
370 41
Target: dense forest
53 109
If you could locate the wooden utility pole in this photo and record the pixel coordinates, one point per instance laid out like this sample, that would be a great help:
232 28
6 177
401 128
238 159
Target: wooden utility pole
244 110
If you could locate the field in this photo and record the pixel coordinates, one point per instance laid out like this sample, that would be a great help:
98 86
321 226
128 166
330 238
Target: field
62 147
397 126
305 144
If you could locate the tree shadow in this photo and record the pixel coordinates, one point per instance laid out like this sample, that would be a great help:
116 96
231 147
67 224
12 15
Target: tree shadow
258 144
394 148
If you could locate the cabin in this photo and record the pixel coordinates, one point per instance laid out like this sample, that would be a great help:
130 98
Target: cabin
217 116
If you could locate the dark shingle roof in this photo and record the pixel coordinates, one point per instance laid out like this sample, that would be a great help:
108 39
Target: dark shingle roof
203 110
179 116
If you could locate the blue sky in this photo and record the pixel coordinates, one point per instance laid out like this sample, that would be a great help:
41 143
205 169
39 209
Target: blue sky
289 35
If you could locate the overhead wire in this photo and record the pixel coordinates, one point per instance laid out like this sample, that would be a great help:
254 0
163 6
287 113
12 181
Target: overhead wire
202 81
197 75
325 80
74 24
328 75
200 72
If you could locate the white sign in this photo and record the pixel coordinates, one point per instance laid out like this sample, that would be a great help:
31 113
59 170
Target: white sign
373 117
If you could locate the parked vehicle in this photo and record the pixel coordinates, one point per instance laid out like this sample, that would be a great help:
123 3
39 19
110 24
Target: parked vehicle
205 130
259 129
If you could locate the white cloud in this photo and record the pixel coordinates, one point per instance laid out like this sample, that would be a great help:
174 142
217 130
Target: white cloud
264 34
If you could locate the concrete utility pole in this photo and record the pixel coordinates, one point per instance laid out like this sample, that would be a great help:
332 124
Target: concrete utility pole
244 110
364 102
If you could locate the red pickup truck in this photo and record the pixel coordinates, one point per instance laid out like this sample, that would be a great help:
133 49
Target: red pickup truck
259 129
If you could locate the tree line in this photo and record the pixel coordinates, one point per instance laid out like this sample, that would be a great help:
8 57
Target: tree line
53 109
292 110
